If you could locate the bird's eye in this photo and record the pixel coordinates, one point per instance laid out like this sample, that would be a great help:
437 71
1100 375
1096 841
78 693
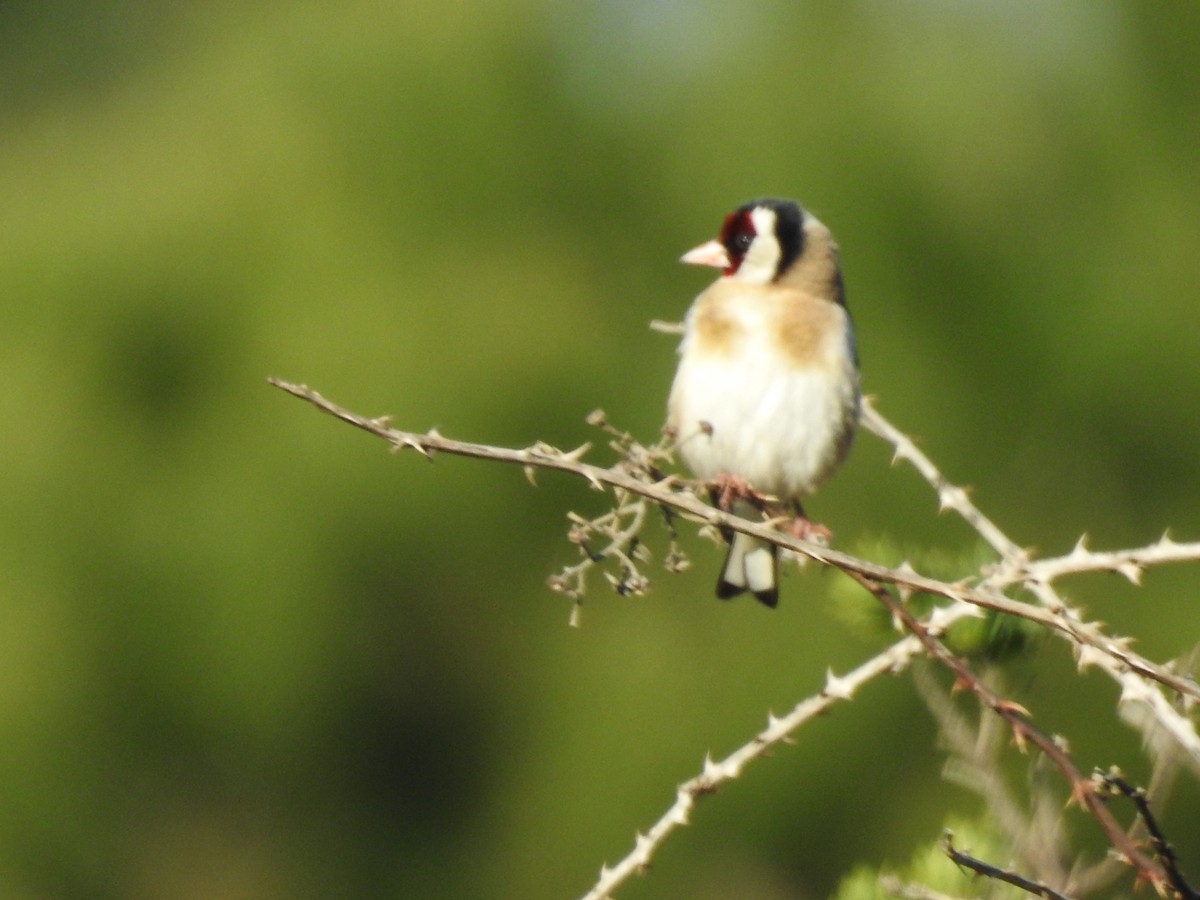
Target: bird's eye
737 234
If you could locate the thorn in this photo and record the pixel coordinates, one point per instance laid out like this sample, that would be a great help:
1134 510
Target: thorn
1080 548
531 474
1134 689
1132 571
943 616
1079 793
951 497
1014 706
1019 738
576 454
414 444
680 816
1086 655
1120 644
837 688
1071 613
903 590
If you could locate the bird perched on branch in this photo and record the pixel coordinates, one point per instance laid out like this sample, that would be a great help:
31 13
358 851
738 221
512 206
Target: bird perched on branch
766 399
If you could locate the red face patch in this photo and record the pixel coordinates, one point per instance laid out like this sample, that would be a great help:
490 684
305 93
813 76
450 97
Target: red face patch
737 234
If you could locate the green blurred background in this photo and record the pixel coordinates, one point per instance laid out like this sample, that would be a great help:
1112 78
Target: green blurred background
244 652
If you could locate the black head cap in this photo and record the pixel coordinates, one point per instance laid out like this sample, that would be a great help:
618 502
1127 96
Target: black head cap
738 232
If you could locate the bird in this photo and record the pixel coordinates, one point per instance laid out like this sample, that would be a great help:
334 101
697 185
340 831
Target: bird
766 398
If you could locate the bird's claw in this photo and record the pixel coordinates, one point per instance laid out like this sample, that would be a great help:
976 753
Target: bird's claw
807 530
727 488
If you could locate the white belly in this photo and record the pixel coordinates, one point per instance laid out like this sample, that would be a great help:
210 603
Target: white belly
782 429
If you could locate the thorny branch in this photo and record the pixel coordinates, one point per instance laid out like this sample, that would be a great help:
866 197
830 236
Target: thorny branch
894 659
677 493
632 476
1090 645
990 871
1031 827
1083 790
1113 782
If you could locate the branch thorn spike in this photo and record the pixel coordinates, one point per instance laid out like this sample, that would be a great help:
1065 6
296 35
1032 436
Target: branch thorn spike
1132 571
414 444
1086 656
837 688
578 453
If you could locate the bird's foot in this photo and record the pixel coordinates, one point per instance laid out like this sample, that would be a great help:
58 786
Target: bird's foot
807 530
727 488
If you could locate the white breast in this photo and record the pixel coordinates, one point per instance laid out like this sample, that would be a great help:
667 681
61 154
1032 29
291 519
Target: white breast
754 414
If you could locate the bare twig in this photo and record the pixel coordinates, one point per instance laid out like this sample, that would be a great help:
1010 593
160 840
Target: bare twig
1092 647
1114 782
1035 839
1130 563
989 871
1083 790
678 493
1141 680
620 526
949 496
714 774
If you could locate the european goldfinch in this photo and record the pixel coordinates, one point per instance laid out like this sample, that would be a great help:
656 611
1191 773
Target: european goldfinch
766 398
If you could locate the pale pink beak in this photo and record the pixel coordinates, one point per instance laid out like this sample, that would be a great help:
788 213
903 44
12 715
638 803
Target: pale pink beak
711 254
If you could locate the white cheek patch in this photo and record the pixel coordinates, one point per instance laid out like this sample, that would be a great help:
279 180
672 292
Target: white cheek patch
762 259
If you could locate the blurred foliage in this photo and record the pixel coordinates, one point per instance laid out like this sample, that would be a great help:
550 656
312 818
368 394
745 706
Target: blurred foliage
245 653
992 637
930 868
